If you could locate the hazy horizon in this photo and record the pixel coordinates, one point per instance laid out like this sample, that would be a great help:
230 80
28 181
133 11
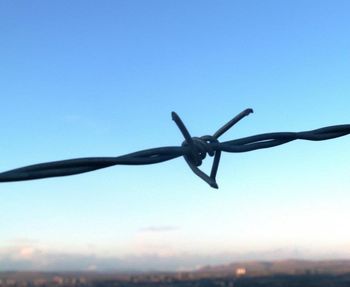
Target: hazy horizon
30 259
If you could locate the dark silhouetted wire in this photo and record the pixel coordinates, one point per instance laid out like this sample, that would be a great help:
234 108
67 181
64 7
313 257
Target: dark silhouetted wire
193 149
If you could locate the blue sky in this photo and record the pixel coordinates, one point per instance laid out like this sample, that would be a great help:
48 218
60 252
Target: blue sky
100 78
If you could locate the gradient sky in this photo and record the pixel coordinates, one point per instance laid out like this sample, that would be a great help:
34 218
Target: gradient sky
100 78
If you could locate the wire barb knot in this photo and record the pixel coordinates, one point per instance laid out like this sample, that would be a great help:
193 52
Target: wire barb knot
199 148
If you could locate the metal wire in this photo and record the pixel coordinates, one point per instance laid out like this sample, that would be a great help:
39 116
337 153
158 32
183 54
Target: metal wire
193 149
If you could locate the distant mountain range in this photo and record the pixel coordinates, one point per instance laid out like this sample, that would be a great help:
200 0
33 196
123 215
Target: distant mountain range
292 267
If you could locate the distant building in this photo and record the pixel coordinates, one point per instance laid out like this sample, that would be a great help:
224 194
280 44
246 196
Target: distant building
40 282
241 271
58 280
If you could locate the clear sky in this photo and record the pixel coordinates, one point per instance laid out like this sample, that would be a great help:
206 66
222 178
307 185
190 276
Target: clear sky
100 78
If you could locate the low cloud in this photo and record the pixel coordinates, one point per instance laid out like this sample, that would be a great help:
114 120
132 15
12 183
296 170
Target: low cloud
79 262
25 258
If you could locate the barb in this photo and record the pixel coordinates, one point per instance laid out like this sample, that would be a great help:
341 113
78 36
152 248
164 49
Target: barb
193 149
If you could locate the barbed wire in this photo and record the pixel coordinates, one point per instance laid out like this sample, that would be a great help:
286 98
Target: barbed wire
193 149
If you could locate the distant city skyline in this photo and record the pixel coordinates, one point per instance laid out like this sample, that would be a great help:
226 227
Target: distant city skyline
91 78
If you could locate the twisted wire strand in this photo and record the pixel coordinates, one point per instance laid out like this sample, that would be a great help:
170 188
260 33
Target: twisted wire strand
193 149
